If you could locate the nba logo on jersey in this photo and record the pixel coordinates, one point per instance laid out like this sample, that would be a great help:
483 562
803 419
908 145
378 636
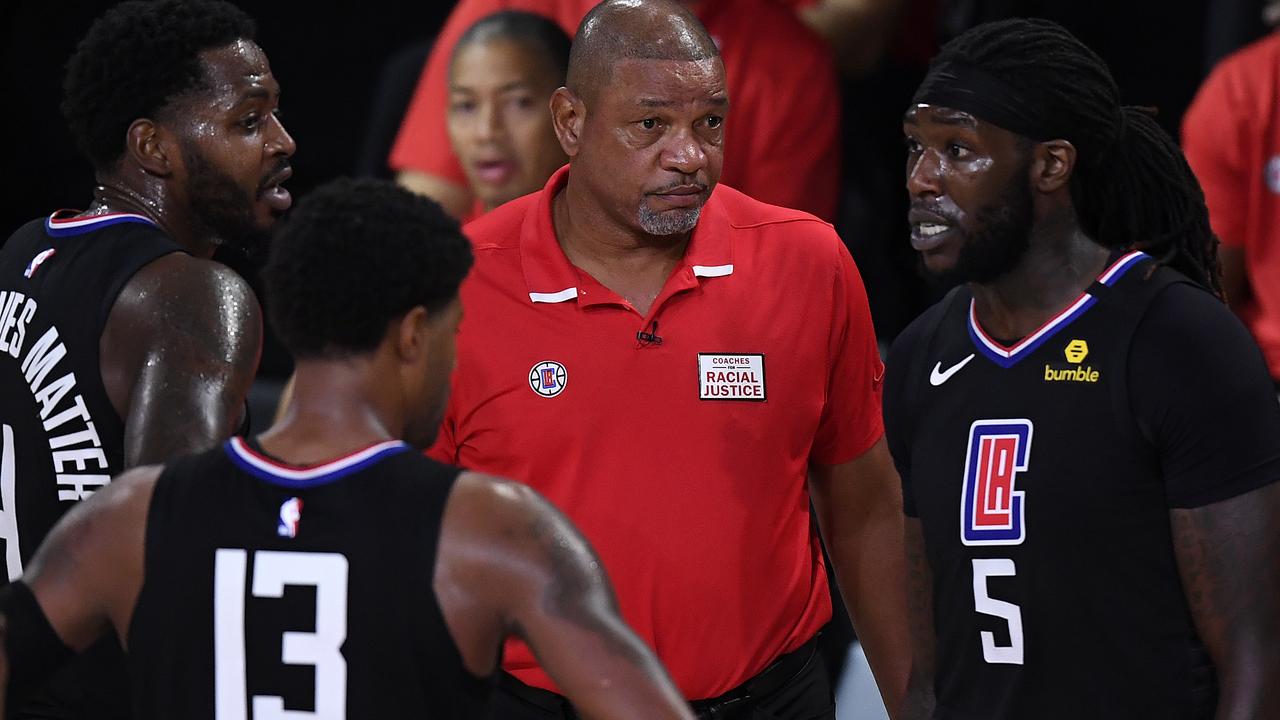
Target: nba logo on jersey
36 262
991 510
290 514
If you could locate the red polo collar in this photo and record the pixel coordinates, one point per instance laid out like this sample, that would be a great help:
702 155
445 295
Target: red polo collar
551 278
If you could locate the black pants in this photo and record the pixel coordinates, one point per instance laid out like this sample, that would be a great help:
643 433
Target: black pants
803 692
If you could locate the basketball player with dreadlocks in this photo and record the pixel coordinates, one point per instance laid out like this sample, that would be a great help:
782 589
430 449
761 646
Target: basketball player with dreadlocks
1087 438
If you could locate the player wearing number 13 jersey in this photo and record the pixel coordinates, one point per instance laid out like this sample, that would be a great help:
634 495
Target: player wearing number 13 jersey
325 569
1087 439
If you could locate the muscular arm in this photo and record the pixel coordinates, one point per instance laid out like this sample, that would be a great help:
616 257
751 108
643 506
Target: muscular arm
860 513
86 576
1228 555
511 564
920 694
178 354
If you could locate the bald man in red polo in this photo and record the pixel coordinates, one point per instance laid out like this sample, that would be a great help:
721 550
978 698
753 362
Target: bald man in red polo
681 368
785 138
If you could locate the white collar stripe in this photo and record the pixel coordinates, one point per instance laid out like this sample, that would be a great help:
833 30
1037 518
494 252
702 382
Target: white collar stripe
266 465
94 220
1119 267
712 270
554 297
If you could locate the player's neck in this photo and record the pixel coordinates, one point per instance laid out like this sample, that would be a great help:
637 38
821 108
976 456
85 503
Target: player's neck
151 199
337 407
1059 265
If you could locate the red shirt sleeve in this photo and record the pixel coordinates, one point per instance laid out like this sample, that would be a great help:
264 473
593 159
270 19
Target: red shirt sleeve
782 142
851 421
1214 142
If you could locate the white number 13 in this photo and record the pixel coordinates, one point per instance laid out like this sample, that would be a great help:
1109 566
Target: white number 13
1010 654
272 571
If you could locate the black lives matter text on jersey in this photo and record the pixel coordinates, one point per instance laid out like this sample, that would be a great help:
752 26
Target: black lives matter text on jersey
79 462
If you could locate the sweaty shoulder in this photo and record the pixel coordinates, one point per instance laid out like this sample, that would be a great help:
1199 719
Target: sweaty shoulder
178 279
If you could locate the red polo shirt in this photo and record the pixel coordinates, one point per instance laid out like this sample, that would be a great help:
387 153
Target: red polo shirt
683 462
1231 136
782 142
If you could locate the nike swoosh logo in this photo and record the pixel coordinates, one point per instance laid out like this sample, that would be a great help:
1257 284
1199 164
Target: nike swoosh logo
938 376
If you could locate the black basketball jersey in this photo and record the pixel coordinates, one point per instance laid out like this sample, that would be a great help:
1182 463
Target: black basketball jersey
272 588
1043 474
60 437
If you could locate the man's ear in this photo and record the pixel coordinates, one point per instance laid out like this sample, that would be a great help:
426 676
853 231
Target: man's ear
411 334
151 147
568 114
1052 166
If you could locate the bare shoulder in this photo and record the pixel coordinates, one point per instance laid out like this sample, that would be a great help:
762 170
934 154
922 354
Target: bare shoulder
178 287
526 538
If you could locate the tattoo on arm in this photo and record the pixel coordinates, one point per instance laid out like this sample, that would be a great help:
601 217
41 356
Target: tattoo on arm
578 590
1228 556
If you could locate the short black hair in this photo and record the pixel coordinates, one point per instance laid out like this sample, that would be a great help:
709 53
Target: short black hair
530 30
137 58
1131 187
354 256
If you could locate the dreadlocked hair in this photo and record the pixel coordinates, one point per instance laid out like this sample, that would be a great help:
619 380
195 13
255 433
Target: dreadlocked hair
1132 187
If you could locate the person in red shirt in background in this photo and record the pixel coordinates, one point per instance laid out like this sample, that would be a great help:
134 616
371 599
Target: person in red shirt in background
502 71
1231 137
783 149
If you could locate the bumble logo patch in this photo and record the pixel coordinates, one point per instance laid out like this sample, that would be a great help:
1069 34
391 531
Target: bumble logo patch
1076 351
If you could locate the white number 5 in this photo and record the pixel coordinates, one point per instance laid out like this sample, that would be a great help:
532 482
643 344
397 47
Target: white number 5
327 573
1010 654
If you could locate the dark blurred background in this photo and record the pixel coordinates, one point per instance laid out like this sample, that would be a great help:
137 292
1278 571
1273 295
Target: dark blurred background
330 58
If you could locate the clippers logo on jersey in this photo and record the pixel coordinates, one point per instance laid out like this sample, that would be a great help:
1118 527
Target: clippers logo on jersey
37 261
991 510
290 516
548 378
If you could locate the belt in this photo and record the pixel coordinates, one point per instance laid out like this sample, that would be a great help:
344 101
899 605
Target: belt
767 682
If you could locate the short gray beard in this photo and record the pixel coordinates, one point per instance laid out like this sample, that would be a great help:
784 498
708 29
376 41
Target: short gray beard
672 222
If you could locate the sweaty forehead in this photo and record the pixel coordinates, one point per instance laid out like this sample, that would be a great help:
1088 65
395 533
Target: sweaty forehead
236 69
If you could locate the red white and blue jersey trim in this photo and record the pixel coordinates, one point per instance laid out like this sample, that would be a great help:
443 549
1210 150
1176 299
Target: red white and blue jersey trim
277 473
1008 356
67 226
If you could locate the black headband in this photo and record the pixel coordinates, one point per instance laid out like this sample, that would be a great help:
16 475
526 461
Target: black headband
966 88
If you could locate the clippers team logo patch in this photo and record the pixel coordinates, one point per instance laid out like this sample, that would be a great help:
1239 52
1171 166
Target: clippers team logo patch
290 516
37 261
548 378
991 508
722 376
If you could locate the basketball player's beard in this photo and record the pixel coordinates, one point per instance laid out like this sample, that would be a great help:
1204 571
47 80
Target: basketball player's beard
1000 241
222 208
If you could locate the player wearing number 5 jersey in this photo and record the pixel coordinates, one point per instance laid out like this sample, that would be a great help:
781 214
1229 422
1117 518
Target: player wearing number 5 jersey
325 569
1087 438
